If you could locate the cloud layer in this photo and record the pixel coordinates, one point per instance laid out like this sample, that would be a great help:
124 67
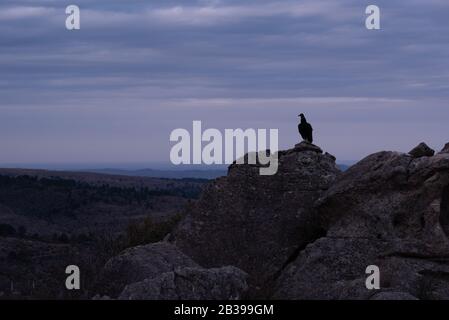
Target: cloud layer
115 89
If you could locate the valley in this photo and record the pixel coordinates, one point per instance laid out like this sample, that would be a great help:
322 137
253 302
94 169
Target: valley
51 219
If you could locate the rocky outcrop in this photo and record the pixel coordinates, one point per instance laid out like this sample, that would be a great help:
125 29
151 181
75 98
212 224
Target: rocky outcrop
308 232
422 150
257 223
226 283
390 210
445 148
140 263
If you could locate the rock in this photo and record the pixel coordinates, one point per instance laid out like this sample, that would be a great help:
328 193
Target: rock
388 210
140 263
445 148
255 222
226 283
306 146
422 150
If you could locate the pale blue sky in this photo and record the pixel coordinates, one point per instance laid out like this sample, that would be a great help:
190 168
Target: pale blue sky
113 91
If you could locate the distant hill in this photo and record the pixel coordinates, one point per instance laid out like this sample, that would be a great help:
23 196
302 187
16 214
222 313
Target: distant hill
46 202
169 174
49 219
121 178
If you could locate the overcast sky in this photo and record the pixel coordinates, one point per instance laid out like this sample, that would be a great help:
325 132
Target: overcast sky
114 90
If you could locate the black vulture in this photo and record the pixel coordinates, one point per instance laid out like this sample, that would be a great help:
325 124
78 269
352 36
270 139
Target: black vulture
305 129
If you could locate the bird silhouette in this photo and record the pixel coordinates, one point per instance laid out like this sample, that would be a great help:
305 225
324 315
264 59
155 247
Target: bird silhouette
305 129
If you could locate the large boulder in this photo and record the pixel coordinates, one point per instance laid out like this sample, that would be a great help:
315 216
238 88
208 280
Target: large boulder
226 283
255 222
422 150
140 263
390 210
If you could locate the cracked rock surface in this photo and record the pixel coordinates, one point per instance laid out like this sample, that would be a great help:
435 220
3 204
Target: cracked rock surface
160 271
390 210
255 222
226 283
140 263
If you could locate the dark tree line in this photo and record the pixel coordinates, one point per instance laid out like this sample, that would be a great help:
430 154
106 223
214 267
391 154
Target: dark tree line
46 197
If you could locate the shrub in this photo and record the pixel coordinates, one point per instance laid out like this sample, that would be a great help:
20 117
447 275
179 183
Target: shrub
149 231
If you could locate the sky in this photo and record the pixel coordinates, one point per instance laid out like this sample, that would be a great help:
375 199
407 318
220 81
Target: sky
113 91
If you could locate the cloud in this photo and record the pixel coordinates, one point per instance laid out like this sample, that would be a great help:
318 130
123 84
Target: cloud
22 12
213 13
219 14
138 69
